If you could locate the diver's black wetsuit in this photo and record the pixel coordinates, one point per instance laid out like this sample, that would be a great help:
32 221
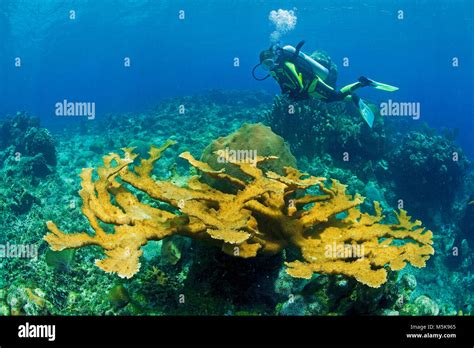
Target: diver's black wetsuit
299 83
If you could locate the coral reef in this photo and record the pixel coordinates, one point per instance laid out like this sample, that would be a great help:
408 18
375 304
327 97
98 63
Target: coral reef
268 213
27 157
433 160
397 163
24 136
423 305
23 301
245 144
13 129
213 282
315 128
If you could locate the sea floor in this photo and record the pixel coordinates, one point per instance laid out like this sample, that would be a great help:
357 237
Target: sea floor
191 278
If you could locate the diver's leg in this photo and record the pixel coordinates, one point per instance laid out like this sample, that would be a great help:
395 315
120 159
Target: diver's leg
364 82
365 111
336 96
349 89
320 90
378 85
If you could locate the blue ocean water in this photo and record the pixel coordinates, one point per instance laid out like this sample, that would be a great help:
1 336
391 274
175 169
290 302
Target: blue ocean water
82 59
130 58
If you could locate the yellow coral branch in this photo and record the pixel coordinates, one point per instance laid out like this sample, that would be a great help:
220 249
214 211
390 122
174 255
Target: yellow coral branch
267 213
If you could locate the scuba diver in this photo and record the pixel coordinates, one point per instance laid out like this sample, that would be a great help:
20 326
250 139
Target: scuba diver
301 77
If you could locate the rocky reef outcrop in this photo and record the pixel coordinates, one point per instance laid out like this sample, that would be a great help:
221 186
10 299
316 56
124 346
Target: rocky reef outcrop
27 156
22 138
315 128
427 167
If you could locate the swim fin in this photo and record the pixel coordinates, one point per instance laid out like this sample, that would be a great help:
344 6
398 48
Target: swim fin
377 85
385 87
366 113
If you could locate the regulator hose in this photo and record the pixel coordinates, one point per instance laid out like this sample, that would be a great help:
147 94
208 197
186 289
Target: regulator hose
255 77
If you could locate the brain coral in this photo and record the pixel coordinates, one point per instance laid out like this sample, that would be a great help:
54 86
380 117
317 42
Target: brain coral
250 139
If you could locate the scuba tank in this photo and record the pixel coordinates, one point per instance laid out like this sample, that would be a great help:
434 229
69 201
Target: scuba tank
305 62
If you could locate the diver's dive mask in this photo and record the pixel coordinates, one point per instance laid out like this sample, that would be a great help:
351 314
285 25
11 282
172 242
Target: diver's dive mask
268 64
266 61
